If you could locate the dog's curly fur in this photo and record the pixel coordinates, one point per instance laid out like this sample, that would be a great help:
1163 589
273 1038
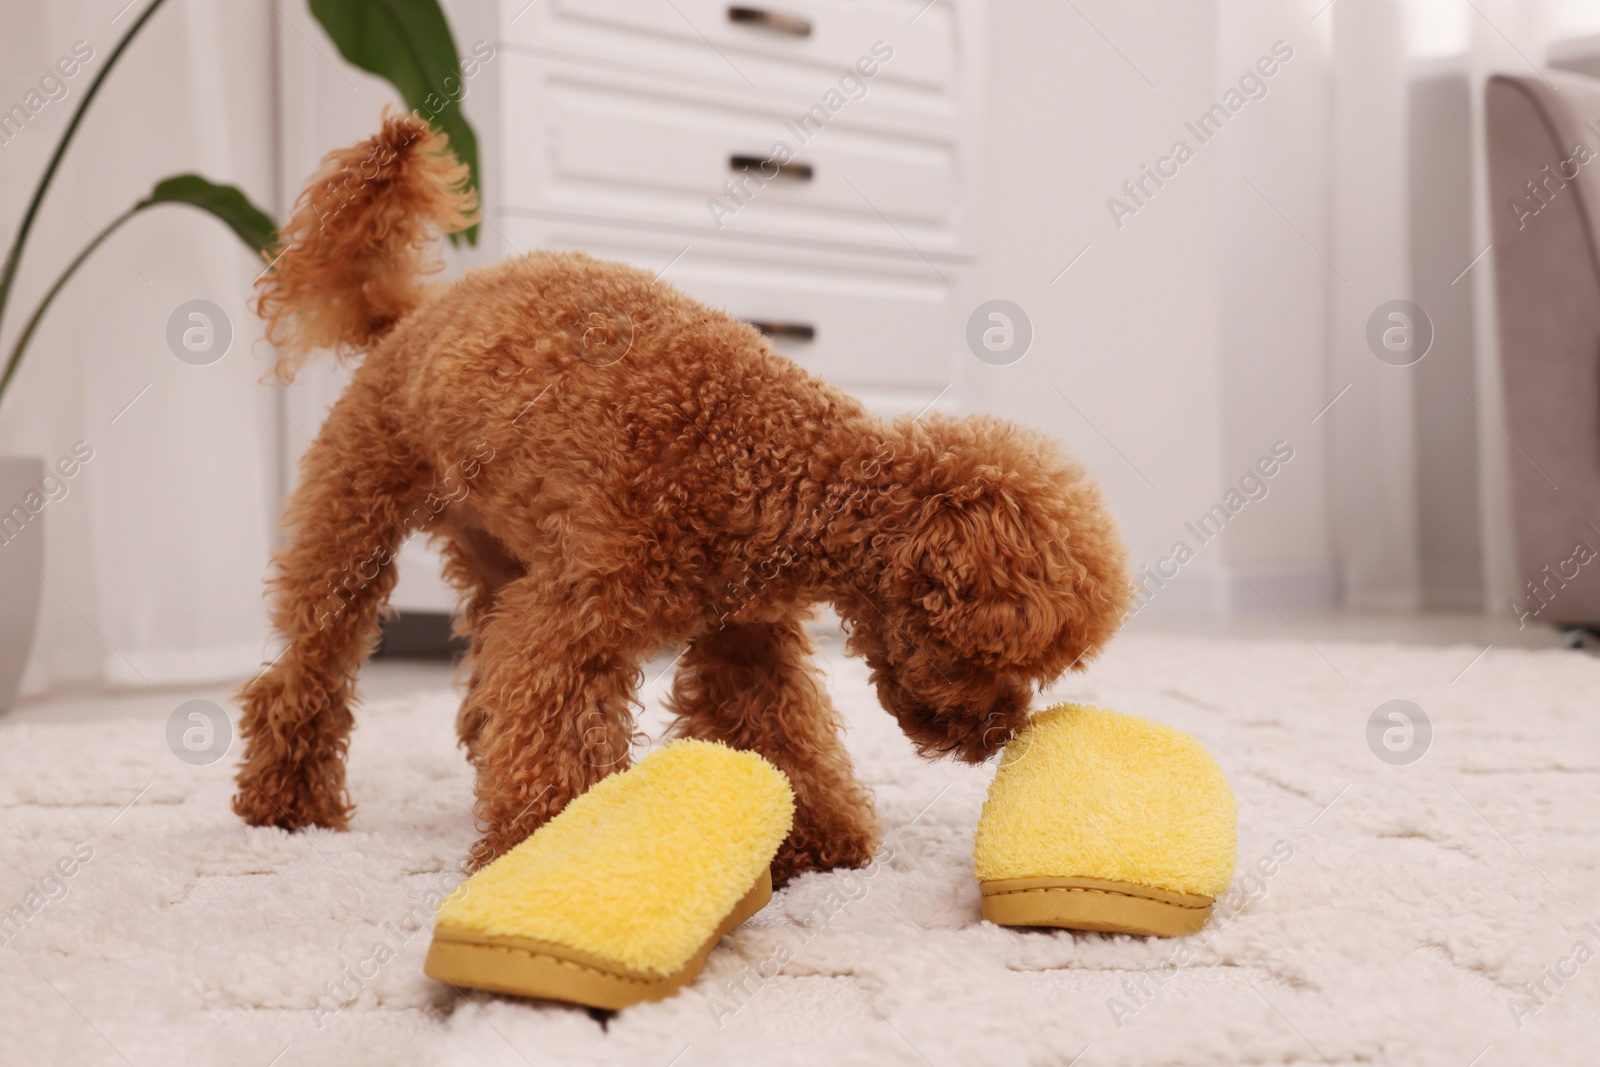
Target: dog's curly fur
612 469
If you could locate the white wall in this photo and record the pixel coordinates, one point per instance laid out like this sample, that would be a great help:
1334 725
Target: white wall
1187 340
1192 337
1272 286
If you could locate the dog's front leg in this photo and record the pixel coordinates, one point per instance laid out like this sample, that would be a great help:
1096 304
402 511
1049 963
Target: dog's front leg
753 686
552 696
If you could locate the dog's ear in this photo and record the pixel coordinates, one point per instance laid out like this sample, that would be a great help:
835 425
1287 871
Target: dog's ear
1008 576
946 703
958 564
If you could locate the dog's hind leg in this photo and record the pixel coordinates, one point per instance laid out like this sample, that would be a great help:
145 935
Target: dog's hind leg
357 500
551 703
753 686
478 566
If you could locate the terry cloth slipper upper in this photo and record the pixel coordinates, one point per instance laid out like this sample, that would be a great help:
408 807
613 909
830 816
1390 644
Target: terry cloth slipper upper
621 896
1102 821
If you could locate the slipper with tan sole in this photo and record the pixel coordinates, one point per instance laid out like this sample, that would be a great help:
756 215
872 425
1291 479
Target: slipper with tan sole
1102 821
622 896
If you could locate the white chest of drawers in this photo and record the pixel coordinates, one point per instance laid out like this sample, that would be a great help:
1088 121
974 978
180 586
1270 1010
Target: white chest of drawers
811 166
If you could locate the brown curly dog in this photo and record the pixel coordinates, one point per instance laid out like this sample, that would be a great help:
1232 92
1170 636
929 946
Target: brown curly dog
613 469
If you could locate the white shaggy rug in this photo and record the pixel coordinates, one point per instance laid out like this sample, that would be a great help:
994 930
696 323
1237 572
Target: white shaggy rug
1439 913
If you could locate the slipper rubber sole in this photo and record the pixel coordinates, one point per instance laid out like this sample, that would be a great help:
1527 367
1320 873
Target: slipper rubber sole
1094 904
528 968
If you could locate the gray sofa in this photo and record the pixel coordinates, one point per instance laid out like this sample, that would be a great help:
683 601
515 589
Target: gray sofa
1544 185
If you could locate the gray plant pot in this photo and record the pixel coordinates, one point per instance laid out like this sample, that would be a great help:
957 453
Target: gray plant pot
21 568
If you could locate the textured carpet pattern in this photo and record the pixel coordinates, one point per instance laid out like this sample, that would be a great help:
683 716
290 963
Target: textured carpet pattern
1415 915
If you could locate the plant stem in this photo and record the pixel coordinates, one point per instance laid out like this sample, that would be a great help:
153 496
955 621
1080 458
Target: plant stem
44 304
14 254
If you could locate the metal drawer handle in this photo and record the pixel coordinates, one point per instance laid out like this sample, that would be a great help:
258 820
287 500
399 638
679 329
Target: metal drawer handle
770 20
800 172
788 331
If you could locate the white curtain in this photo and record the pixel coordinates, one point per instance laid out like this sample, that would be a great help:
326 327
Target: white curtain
1395 433
154 559
1508 36
1373 480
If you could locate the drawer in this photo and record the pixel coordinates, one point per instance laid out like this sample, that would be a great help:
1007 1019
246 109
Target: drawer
887 331
751 44
613 146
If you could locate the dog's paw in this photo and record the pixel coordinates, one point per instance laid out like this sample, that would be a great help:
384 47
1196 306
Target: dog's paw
848 847
291 810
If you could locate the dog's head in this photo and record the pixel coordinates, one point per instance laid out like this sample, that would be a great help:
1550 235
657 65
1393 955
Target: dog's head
992 569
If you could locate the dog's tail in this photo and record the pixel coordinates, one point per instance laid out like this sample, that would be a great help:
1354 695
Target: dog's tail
352 259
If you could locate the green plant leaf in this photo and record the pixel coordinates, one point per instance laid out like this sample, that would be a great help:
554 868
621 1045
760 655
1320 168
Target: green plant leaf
408 44
253 226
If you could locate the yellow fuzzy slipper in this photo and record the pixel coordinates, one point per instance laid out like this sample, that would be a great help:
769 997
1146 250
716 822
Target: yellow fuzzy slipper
621 897
1102 821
